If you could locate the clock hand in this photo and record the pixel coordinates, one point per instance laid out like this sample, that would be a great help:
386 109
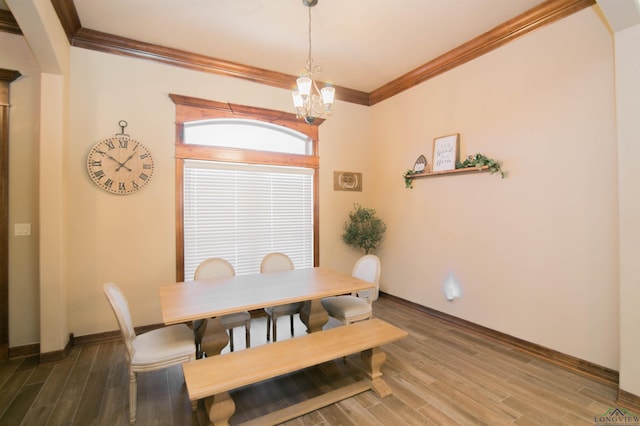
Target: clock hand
125 162
119 163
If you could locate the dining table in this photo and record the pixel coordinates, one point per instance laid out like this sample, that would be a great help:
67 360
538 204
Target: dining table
209 299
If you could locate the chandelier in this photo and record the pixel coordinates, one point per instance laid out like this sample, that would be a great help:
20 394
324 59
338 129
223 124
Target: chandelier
309 101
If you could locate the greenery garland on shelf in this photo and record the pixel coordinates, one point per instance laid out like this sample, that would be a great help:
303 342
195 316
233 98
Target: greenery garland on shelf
480 160
408 180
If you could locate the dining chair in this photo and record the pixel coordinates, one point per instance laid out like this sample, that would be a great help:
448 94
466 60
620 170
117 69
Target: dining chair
277 262
216 267
153 350
358 306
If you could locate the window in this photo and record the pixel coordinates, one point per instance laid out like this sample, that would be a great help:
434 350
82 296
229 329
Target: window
255 135
242 200
242 212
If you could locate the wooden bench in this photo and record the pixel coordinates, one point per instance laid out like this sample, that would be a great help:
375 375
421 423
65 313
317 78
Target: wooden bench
212 378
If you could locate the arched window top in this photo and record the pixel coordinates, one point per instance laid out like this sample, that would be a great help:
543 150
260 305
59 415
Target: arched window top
246 134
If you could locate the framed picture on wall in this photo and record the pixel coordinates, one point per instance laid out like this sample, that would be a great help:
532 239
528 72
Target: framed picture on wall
445 152
347 181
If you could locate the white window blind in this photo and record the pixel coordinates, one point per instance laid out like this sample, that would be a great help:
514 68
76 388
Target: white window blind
242 212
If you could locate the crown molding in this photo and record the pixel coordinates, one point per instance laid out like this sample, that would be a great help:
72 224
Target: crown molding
8 23
536 17
68 17
8 75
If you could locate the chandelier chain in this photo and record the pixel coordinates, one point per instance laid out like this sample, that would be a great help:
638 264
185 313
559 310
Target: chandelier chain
311 102
309 33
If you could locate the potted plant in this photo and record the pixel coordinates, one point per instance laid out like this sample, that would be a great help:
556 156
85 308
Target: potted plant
363 229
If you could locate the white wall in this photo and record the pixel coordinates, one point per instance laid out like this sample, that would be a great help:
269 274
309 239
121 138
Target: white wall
535 253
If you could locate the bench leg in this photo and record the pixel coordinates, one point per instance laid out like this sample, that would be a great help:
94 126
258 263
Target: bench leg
313 315
220 408
373 360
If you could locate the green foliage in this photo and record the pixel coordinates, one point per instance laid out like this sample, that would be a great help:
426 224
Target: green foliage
363 229
408 182
480 160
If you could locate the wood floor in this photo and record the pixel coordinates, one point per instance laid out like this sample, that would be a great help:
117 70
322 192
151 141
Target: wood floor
440 374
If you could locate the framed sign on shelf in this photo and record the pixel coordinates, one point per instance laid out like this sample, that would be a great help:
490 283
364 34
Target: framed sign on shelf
445 152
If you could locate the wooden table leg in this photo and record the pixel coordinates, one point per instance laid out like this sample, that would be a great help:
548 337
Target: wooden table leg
214 337
219 408
373 360
313 315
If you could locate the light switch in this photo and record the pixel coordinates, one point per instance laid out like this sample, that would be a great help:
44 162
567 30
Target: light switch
22 229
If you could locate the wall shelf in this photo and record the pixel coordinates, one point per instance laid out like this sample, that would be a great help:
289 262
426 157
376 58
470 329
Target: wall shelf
449 172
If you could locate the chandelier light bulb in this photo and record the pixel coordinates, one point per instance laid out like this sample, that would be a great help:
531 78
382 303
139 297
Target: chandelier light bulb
328 94
304 86
298 102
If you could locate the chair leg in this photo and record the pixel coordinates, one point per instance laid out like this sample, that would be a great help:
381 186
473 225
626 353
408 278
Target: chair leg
198 332
268 327
231 339
275 328
133 396
291 317
247 333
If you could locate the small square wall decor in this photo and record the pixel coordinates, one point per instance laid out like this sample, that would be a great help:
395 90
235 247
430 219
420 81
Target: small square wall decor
347 181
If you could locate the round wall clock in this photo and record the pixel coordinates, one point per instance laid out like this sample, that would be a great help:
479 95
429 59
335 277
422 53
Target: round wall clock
120 165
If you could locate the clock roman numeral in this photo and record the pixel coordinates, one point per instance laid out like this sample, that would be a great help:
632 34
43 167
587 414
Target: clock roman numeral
145 155
135 185
123 143
96 163
108 183
143 176
121 186
146 166
99 174
110 145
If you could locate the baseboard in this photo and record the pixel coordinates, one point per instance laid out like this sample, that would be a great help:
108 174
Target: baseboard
24 351
110 336
55 356
576 364
629 400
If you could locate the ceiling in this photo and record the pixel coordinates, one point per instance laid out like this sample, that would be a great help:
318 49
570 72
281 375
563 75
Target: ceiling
360 44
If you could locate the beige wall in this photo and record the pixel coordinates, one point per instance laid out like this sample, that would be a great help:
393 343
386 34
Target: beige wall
131 239
24 113
536 253
628 109
41 28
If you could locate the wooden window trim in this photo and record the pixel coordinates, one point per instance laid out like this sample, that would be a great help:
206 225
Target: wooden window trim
191 109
